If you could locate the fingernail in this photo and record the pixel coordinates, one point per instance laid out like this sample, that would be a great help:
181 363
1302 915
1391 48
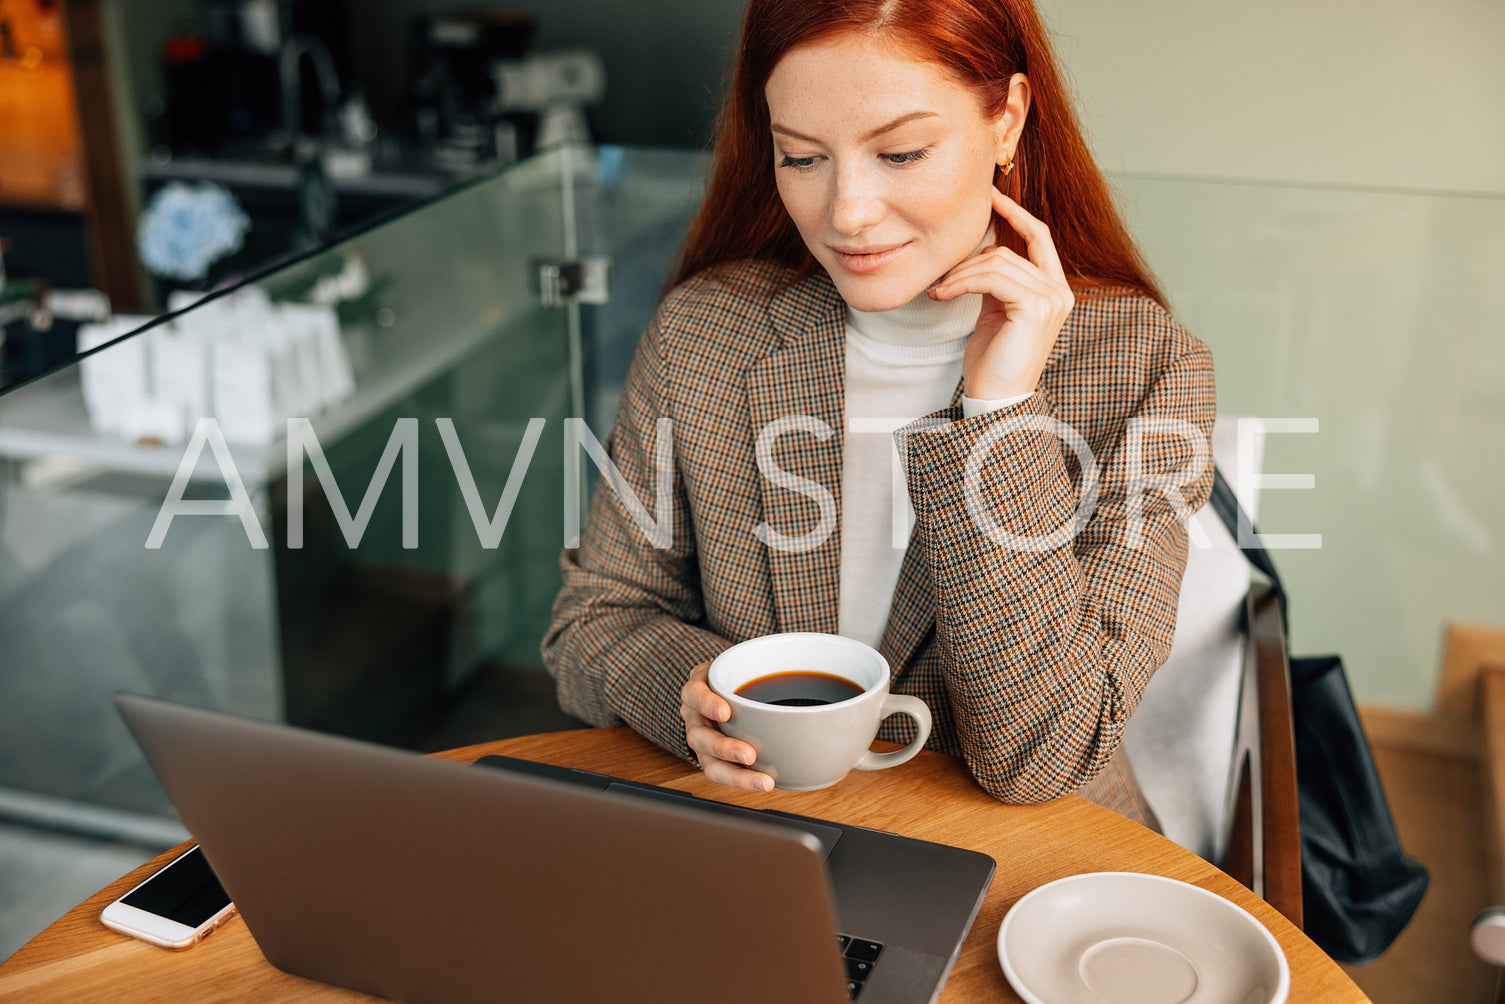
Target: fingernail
765 784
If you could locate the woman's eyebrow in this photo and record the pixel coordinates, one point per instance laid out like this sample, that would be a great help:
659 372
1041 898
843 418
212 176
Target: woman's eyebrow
890 127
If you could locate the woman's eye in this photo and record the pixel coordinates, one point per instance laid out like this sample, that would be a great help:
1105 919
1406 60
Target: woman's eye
906 158
798 163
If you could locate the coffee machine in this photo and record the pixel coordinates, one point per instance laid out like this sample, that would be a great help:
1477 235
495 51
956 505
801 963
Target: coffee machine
556 87
479 95
450 89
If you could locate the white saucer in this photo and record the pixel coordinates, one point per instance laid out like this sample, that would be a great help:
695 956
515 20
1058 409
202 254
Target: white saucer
1126 938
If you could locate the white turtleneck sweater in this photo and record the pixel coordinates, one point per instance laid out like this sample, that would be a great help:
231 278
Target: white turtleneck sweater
901 364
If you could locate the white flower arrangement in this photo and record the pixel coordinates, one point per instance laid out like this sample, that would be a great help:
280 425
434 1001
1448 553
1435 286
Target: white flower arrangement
187 227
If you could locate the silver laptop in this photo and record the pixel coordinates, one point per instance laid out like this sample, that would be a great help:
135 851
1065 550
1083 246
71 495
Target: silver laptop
419 879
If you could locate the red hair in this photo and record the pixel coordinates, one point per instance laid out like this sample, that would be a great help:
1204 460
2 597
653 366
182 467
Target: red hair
982 44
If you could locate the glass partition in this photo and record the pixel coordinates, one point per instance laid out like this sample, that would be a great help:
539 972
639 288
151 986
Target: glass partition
633 206
1381 317
269 502
331 495
281 501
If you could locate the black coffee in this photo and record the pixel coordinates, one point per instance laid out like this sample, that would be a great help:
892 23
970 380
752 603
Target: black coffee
799 689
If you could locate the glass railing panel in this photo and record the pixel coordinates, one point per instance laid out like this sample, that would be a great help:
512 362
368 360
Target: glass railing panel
1380 315
633 206
426 330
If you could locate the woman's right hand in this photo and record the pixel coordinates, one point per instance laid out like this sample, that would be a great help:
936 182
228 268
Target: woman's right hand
723 758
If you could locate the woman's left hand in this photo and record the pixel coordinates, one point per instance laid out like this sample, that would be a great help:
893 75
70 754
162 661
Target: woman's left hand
1024 304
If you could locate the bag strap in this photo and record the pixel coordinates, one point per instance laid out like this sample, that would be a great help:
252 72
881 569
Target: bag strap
1225 503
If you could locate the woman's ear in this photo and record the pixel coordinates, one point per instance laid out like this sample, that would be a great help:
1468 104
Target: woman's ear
1010 124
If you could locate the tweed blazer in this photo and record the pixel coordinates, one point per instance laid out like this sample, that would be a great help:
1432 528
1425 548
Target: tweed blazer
1029 633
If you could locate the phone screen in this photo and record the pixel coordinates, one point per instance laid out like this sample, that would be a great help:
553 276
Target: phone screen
185 891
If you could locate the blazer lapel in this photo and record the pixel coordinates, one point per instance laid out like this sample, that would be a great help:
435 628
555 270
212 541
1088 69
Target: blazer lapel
803 376
912 615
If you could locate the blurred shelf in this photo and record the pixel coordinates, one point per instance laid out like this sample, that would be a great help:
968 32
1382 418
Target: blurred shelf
235 173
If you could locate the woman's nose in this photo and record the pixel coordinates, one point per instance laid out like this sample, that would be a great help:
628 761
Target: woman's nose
855 203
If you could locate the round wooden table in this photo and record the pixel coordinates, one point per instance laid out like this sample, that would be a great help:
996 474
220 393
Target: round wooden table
931 797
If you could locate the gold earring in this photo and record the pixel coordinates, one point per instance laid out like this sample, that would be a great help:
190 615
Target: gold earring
1008 165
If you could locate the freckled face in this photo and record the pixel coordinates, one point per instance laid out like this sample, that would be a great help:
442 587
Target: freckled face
885 164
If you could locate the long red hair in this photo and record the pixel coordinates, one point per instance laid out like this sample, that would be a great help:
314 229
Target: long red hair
982 43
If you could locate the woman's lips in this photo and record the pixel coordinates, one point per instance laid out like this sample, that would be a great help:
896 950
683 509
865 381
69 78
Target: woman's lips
867 261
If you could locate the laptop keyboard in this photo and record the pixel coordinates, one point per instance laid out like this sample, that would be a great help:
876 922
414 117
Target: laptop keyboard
860 955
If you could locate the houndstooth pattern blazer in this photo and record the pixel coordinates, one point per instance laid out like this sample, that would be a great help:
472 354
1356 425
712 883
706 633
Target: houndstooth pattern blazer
1031 658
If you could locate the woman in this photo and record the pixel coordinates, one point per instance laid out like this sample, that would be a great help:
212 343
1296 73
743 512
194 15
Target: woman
904 245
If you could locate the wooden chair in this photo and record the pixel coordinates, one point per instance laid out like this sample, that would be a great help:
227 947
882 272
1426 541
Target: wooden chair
1487 933
1264 833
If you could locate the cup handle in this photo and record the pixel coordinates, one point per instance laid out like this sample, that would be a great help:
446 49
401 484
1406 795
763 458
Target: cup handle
899 704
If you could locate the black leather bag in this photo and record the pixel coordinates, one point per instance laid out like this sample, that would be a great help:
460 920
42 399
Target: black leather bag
1359 889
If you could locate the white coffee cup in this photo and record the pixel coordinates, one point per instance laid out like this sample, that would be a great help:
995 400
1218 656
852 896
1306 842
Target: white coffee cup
805 748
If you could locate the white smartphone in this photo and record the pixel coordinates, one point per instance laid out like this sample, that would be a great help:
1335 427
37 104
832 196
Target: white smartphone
176 908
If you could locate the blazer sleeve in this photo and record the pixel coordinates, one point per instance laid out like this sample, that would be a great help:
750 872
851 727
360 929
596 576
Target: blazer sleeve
624 632
1049 631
